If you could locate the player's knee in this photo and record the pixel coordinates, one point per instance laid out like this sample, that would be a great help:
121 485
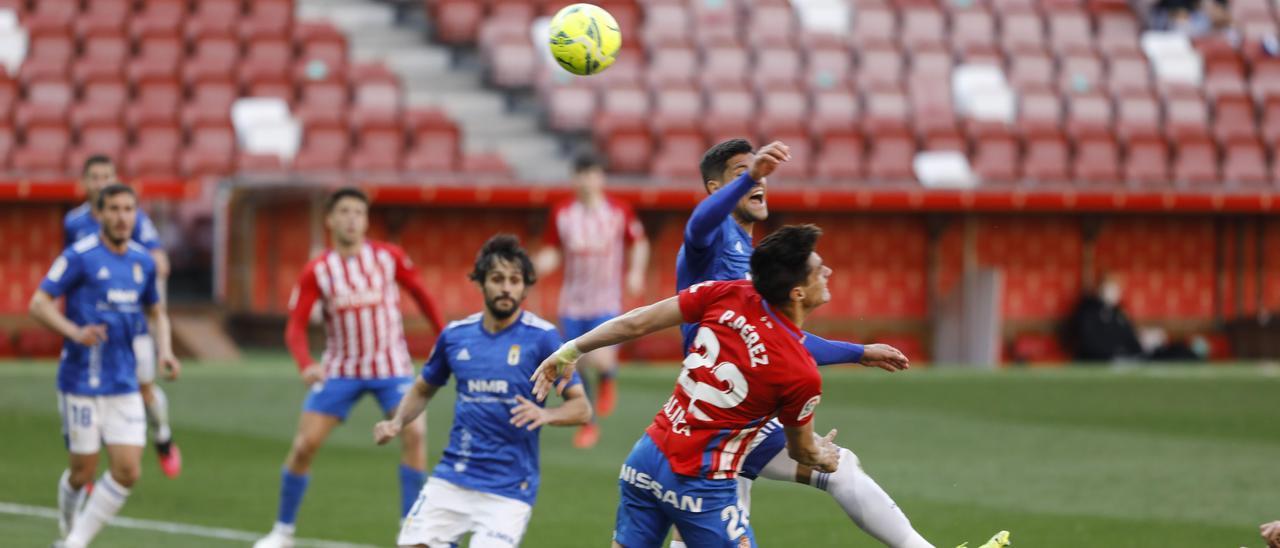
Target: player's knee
304 449
126 474
81 475
849 464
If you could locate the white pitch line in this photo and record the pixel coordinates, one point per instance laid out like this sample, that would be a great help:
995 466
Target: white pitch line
171 527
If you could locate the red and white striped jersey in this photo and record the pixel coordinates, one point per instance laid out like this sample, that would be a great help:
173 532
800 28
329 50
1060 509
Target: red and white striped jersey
594 241
360 304
745 366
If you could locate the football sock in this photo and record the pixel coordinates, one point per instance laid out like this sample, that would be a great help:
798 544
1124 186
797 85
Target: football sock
158 414
292 488
411 480
69 499
105 502
676 544
867 504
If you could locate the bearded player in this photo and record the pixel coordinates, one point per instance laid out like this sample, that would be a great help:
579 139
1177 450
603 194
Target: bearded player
357 283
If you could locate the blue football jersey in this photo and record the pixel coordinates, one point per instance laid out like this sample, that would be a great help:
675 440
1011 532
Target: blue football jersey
727 258
80 224
102 287
485 451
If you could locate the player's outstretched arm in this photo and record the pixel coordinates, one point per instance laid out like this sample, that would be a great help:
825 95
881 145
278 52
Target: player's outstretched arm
701 228
44 309
407 276
158 315
411 405
821 454
828 352
632 325
575 411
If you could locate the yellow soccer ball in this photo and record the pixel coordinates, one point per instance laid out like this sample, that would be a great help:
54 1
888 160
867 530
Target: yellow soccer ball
584 39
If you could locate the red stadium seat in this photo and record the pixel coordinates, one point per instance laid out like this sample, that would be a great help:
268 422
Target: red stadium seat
571 107
1265 84
513 63
267 18
995 158
1022 32
1088 116
1039 112
841 158
1234 120
874 28
828 68
729 114
777 68
1097 160
923 28
886 111
1082 74
880 70
891 157
54 92
211 151
1244 163
109 47
1196 163
1129 76
1271 122
771 25
323 149
6 145
8 98
623 105
1031 72
276 53
213 58
1147 163
457 22
210 101
678 156
665 24
724 66
1046 158
783 112
433 130
1137 117
43 150
629 147
378 149
1225 78
98 138
675 108
1186 118
1117 34
321 41
672 66
835 111
1070 33
221 14
973 31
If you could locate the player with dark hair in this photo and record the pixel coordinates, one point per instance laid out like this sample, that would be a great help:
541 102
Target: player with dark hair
358 283
746 366
487 479
82 222
718 246
110 286
592 232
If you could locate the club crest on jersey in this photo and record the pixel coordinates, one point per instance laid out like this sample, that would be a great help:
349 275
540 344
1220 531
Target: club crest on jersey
513 355
104 274
137 273
808 408
463 355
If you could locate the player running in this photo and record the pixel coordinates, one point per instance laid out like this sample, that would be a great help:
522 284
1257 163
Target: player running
718 246
487 479
365 353
591 232
81 223
110 285
747 364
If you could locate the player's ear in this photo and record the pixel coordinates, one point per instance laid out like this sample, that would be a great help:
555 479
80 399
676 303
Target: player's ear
711 185
797 294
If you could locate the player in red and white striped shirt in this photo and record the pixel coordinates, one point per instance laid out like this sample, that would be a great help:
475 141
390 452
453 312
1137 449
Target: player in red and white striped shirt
593 232
357 283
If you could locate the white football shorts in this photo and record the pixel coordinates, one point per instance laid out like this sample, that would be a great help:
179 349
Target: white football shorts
445 512
90 421
144 351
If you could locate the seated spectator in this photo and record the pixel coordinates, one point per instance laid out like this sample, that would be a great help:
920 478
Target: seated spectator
1098 330
1194 18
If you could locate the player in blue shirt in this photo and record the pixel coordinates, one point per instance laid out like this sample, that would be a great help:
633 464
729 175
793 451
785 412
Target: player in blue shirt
717 246
109 283
81 223
487 480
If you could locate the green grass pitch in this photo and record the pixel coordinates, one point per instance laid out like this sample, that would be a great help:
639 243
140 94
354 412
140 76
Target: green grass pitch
1167 457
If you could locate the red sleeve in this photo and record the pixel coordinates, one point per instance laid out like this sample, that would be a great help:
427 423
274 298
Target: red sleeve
694 301
551 236
407 276
634 230
800 397
303 298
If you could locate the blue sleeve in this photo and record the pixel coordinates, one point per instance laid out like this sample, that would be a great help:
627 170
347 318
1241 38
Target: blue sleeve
150 295
436 371
145 232
706 218
832 352
63 275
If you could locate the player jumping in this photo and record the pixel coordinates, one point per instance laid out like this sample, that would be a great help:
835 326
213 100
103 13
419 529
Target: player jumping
591 232
81 223
365 352
487 479
718 246
110 285
748 364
